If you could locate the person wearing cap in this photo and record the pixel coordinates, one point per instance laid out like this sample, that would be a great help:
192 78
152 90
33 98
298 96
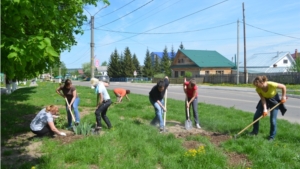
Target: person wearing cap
120 93
191 91
103 102
156 96
43 122
269 97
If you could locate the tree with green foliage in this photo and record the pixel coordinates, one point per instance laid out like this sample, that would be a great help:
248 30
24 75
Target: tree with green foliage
295 67
86 68
157 68
147 69
34 33
63 69
181 46
104 63
172 54
136 65
113 68
127 63
166 63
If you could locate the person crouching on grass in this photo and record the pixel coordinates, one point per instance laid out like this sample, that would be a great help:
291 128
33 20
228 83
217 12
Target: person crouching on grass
102 103
120 93
156 96
191 91
268 99
43 122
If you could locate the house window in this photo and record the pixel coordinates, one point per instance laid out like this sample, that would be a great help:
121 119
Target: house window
178 60
182 61
176 73
182 73
219 72
285 61
207 72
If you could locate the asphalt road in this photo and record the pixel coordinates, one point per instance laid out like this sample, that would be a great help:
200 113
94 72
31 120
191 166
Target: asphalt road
239 97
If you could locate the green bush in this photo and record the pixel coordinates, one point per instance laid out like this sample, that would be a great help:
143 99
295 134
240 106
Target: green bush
188 74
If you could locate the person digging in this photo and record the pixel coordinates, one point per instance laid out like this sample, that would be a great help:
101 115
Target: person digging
120 93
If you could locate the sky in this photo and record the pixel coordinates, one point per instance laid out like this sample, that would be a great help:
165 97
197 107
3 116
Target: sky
271 26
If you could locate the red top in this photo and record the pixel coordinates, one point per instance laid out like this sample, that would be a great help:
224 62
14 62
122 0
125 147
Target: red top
121 92
191 90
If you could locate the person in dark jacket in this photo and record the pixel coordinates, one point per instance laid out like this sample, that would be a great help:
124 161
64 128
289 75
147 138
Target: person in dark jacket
156 96
268 99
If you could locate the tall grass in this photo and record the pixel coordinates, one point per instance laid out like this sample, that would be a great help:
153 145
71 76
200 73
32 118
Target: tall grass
133 143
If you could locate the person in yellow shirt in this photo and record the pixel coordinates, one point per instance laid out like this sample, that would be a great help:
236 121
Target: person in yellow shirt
268 99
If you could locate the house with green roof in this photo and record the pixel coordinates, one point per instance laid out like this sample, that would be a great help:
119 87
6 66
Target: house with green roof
200 62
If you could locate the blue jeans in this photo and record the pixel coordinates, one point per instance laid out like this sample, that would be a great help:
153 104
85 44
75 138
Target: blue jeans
273 118
195 110
76 112
159 112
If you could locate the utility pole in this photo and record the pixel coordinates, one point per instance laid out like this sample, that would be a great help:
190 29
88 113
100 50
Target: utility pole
92 47
92 41
245 65
237 62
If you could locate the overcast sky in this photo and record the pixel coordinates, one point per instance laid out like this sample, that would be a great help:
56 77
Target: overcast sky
271 26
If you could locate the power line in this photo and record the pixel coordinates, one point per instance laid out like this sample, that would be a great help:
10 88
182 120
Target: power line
168 22
155 12
272 32
170 32
79 57
116 9
125 15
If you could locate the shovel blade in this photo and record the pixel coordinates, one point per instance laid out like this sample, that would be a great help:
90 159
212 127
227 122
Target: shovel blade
188 125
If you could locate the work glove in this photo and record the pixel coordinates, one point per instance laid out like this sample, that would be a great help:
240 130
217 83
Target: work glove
283 99
265 113
54 116
62 134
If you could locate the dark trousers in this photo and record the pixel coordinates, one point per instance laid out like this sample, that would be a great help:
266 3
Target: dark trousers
195 110
101 112
44 131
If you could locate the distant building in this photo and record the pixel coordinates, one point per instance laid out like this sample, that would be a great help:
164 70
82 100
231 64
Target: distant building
200 62
159 55
296 54
276 62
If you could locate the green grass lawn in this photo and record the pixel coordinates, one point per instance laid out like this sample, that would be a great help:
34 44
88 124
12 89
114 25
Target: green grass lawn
133 143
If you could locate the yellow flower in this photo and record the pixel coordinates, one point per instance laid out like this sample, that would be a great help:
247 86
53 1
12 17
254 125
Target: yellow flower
33 167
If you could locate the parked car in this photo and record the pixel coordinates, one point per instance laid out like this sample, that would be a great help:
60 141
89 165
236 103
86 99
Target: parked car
104 78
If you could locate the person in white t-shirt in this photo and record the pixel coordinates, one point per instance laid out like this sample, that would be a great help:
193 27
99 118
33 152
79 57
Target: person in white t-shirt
103 102
43 123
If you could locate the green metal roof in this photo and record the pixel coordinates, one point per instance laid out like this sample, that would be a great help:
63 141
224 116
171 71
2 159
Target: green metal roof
207 58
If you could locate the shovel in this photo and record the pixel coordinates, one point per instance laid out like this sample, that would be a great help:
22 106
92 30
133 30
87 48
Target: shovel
188 123
255 121
165 113
70 111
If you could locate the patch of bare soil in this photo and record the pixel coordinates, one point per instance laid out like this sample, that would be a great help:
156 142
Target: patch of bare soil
179 131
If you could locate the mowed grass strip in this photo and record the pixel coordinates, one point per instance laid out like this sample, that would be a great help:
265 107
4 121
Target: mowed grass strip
133 143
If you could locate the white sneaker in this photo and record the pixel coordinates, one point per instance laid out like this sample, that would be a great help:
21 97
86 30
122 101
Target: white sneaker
198 126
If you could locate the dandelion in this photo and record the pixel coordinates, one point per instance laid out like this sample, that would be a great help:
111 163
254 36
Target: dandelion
33 167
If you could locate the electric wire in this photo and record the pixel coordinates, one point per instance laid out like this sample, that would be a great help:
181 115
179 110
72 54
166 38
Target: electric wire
154 13
197 30
126 14
169 22
272 32
79 57
116 9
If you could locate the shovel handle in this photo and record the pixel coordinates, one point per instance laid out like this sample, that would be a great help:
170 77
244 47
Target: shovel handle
70 109
257 119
